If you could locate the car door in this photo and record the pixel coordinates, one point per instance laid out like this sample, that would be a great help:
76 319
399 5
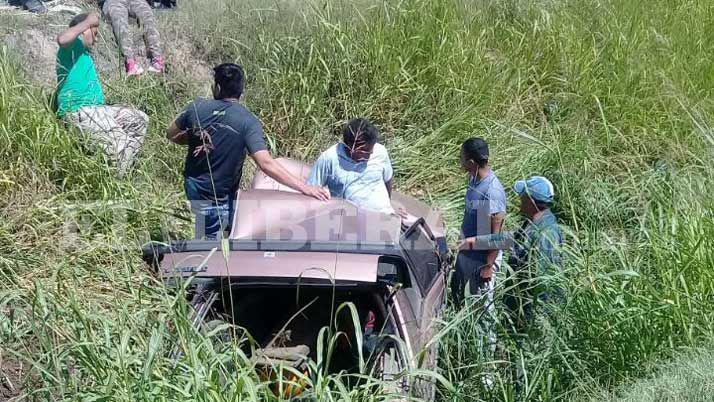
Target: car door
421 252
435 297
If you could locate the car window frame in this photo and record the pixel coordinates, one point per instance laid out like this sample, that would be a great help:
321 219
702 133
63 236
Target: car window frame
420 224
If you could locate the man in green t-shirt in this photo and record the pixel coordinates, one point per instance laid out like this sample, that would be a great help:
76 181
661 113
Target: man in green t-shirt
118 130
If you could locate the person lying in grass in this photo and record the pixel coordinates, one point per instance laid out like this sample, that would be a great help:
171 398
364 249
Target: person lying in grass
118 13
535 248
219 132
79 99
358 169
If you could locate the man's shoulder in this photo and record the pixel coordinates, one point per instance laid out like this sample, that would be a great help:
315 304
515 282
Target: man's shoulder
203 106
380 150
379 154
549 228
236 112
489 187
201 103
331 153
249 118
327 159
552 224
73 50
496 187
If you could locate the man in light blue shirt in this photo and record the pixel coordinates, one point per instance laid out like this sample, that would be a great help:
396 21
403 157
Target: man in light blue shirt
535 250
484 211
358 169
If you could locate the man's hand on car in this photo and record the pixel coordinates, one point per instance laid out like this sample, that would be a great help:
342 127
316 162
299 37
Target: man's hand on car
405 215
321 193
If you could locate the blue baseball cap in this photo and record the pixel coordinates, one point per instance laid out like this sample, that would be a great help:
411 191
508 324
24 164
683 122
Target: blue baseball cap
537 187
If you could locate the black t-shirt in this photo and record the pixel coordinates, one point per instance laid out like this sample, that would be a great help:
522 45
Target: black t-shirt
219 134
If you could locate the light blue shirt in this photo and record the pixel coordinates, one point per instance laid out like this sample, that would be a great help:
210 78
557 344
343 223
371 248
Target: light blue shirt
362 183
484 198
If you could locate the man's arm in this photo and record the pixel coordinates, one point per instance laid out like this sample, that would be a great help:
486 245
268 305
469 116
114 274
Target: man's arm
176 135
488 269
277 172
498 241
68 36
388 174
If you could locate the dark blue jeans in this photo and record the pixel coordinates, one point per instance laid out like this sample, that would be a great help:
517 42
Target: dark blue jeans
467 269
213 214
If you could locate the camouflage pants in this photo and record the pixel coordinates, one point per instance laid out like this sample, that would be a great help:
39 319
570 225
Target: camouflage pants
118 130
118 13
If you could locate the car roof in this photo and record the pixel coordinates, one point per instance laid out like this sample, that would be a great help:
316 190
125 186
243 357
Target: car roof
287 216
414 208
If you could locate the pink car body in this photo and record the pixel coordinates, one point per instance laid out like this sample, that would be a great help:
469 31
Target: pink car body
389 266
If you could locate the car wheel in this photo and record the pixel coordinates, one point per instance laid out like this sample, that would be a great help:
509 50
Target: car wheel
389 365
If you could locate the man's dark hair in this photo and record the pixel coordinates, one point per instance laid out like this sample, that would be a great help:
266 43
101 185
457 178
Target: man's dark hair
476 149
78 19
229 79
362 129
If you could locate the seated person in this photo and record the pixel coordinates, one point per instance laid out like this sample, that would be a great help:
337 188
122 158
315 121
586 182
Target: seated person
358 169
118 130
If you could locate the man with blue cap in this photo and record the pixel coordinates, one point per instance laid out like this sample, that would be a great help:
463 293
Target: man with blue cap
535 247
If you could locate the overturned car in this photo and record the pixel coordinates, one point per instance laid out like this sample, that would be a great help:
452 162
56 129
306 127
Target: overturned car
293 261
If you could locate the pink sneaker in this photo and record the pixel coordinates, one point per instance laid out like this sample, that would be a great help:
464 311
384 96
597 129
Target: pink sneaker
132 68
157 65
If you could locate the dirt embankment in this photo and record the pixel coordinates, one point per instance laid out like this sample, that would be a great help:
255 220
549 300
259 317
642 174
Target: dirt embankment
12 375
38 55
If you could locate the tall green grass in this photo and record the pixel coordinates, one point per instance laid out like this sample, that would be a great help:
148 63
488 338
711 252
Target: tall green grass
609 99
687 378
